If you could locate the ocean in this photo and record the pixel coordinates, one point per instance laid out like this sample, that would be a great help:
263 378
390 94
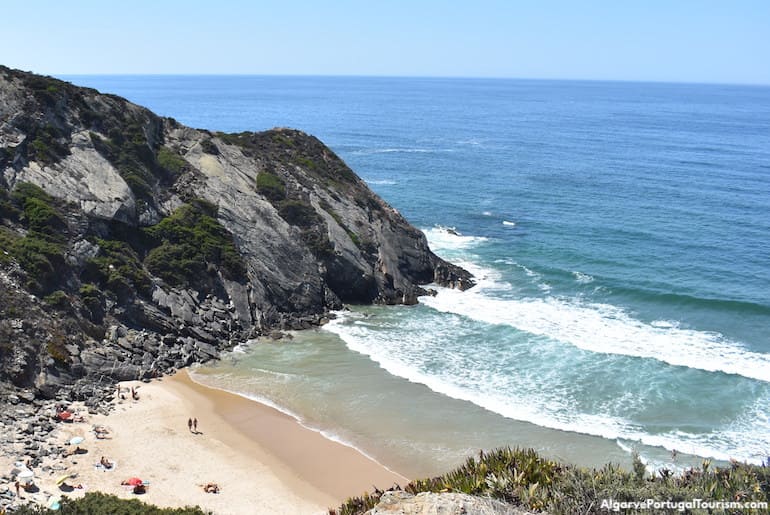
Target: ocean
620 236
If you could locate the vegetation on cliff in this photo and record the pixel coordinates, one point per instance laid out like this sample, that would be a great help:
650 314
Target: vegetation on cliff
189 241
38 248
123 268
524 478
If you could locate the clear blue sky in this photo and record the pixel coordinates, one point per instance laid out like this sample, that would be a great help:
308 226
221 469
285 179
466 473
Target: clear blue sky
673 40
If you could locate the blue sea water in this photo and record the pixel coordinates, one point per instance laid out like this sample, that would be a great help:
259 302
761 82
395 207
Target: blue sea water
619 232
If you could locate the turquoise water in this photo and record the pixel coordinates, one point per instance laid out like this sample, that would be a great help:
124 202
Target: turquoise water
620 233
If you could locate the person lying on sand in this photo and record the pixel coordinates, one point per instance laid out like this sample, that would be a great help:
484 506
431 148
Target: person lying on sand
104 462
211 488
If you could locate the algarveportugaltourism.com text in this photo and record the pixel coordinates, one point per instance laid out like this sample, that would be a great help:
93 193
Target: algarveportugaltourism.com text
694 504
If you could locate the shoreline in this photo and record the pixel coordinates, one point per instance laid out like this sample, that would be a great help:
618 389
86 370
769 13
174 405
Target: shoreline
309 467
263 460
266 403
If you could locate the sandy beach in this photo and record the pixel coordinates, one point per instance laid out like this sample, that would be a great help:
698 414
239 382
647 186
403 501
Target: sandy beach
263 460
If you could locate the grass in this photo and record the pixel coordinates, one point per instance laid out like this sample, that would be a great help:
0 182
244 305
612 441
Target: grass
524 478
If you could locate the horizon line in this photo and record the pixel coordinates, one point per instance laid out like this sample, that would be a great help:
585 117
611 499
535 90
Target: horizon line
421 77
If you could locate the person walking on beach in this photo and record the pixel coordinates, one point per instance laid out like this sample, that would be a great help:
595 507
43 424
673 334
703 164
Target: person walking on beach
189 424
195 424
17 485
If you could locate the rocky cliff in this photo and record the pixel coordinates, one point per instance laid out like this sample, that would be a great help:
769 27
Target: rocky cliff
131 244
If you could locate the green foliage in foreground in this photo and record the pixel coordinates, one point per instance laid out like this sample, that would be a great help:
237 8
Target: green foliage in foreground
524 478
96 503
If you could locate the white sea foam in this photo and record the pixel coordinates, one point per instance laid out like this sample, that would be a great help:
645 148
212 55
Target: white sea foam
401 356
583 278
487 213
594 327
449 239
401 150
606 329
242 347
665 324
382 182
509 224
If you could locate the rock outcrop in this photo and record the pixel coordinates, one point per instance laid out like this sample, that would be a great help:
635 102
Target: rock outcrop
131 244
398 502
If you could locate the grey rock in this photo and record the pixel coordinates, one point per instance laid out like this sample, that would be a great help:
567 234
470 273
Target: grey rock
329 240
403 503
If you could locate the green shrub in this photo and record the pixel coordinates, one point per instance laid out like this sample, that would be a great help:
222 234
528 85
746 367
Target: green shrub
282 139
57 299
271 186
40 215
56 348
522 477
299 213
90 290
178 265
129 151
92 299
40 252
117 268
171 161
97 503
306 162
8 240
46 145
188 241
209 147
39 258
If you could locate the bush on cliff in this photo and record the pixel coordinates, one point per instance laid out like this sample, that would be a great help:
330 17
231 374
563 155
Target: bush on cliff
40 252
271 186
117 268
188 241
171 161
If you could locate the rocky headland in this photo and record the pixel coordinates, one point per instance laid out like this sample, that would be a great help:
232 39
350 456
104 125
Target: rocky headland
131 245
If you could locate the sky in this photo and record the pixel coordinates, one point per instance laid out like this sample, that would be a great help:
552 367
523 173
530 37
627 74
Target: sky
672 41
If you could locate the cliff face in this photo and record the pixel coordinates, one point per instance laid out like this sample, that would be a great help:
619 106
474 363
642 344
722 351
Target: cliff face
132 244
